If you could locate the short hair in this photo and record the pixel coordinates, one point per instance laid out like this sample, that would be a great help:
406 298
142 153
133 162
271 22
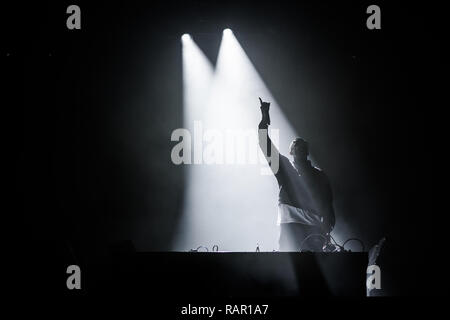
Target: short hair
296 142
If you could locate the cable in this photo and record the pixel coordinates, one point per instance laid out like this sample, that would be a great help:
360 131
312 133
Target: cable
334 240
197 250
355 239
311 235
341 248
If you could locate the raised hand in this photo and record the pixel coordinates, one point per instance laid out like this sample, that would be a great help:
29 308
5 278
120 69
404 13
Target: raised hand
264 105
265 111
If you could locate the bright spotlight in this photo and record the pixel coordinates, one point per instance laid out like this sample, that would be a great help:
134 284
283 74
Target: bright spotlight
228 202
197 79
185 37
227 32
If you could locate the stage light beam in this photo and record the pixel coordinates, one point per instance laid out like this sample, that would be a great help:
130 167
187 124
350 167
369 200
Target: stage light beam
231 205
197 80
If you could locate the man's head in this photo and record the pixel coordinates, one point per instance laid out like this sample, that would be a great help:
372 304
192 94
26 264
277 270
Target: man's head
299 149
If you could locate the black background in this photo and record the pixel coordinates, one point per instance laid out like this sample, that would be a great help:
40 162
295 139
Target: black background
89 114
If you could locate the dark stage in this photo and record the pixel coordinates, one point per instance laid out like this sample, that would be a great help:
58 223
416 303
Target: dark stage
90 117
207 276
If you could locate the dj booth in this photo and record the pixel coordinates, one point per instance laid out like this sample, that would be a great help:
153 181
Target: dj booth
212 275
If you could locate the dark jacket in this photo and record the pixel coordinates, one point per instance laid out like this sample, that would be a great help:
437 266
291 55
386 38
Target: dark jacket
304 187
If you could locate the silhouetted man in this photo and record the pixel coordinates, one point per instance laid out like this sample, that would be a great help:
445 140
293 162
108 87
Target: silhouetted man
305 204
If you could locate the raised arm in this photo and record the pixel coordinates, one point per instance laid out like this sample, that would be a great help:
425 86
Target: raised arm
263 129
268 148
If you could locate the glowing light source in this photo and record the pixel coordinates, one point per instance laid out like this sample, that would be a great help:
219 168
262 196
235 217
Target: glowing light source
227 32
185 37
